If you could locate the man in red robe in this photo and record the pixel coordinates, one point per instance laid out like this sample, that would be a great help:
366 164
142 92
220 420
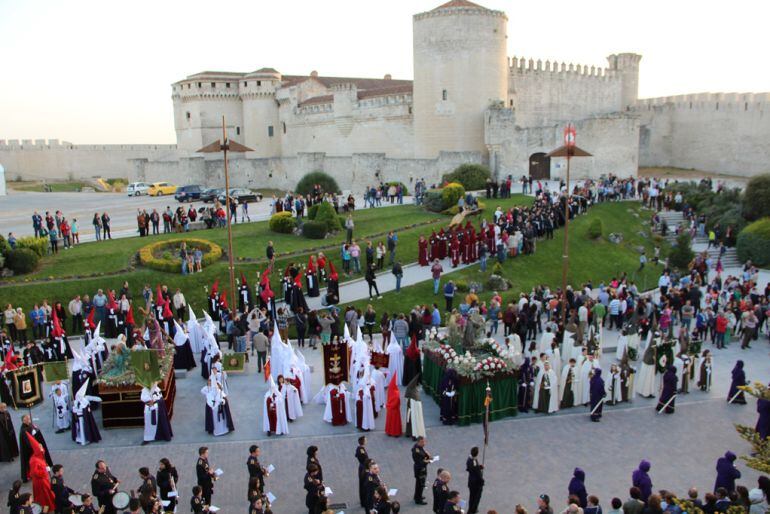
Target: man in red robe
338 408
474 245
454 250
433 246
38 473
393 412
442 239
422 251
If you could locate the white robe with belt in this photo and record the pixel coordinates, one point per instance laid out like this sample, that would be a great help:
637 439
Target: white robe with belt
553 402
292 401
150 395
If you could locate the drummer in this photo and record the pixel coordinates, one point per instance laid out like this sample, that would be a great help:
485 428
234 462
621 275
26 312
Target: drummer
61 492
104 485
87 506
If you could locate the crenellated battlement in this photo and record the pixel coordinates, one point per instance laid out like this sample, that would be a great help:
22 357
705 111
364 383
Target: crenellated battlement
522 65
735 102
55 144
326 104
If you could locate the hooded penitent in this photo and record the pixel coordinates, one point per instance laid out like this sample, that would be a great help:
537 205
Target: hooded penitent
393 409
577 486
641 479
38 473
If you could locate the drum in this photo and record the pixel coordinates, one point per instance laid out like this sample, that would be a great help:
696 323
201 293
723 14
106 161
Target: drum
120 500
75 500
36 509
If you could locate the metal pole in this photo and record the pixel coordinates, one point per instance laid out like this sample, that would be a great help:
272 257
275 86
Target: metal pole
565 251
225 145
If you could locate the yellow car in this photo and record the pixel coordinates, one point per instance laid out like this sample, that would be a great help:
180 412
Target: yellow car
161 188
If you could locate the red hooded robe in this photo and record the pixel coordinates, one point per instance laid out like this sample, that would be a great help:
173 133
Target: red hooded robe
393 406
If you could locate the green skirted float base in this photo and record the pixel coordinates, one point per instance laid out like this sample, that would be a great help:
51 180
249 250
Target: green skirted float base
471 395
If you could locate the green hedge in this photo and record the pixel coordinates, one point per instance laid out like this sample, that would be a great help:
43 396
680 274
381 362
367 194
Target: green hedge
39 245
306 183
312 211
22 260
282 222
327 215
164 255
473 177
433 201
595 228
754 243
681 255
756 199
451 193
314 229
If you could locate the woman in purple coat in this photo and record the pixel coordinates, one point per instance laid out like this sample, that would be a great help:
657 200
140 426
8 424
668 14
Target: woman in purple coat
641 479
763 423
577 486
739 379
597 393
727 473
669 390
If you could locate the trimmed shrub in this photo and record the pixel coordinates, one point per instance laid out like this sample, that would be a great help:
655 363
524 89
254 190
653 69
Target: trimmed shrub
403 187
433 201
327 215
754 243
756 199
312 211
164 255
497 269
314 229
39 245
451 193
473 177
22 260
595 228
681 255
306 183
282 222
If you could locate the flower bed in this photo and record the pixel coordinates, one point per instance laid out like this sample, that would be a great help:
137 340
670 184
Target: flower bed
490 361
128 379
164 255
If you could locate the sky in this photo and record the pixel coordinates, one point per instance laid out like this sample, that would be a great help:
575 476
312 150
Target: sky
101 71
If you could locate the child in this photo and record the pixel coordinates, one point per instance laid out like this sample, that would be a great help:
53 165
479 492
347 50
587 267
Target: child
198 258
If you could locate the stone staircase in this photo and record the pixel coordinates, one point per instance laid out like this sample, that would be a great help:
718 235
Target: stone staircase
699 244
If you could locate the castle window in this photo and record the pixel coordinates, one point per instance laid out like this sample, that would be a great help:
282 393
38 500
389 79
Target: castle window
187 115
270 131
245 84
746 106
443 94
237 131
259 82
717 106
199 84
227 84
690 105
511 103
284 127
213 84
189 86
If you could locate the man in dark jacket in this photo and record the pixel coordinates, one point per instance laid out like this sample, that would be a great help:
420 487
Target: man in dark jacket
475 480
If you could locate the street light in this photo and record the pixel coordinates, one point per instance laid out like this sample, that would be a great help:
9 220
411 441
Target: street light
224 145
568 150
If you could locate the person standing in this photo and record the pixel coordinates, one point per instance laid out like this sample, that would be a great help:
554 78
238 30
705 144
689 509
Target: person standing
475 480
106 226
156 424
436 271
257 473
362 456
449 295
441 490
398 272
371 280
596 395
668 392
727 473
420 460
205 475
25 448
452 505
392 242
349 226
104 485
640 479
9 448
167 477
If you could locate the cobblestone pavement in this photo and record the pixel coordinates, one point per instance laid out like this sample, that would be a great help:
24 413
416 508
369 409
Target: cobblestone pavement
527 455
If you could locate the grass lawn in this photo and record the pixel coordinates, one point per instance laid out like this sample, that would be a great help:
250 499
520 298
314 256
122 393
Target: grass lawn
37 186
113 257
595 260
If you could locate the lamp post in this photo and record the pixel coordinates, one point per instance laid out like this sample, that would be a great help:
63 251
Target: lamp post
568 150
225 145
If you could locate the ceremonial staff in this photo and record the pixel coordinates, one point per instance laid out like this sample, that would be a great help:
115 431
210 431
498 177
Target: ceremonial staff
224 146
487 403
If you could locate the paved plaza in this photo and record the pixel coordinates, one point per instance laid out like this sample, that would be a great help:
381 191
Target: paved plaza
528 454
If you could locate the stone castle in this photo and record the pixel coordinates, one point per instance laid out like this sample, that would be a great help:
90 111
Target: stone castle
468 102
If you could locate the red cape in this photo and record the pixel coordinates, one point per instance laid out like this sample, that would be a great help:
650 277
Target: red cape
393 406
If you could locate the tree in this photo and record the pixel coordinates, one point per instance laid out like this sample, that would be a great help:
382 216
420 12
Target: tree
756 199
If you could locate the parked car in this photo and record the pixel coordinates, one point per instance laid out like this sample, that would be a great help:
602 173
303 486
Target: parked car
188 193
242 195
137 188
161 188
210 194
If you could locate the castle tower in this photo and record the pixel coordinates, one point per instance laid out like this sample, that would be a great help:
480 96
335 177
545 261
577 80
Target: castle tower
627 65
261 131
460 68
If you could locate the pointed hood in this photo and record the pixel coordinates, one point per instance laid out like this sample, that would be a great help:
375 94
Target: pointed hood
167 310
112 304
180 337
57 331
243 280
81 394
333 275
393 346
272 388
310 265
97 331
159 300
223 300
411 389
214 289
130 315
37 448
191 313
393 392
90 322
346 334
264 281
298 281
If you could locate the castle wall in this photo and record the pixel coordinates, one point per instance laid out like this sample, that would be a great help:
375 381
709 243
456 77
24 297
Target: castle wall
380 124
352 172
612 139
52 160
723 132
546 92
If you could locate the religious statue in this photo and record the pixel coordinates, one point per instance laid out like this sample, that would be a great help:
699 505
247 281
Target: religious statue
117 363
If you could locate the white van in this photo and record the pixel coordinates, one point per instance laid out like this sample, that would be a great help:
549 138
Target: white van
137 188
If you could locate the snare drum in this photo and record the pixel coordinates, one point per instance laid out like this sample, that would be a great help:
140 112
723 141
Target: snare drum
120 500
36 509
75 500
